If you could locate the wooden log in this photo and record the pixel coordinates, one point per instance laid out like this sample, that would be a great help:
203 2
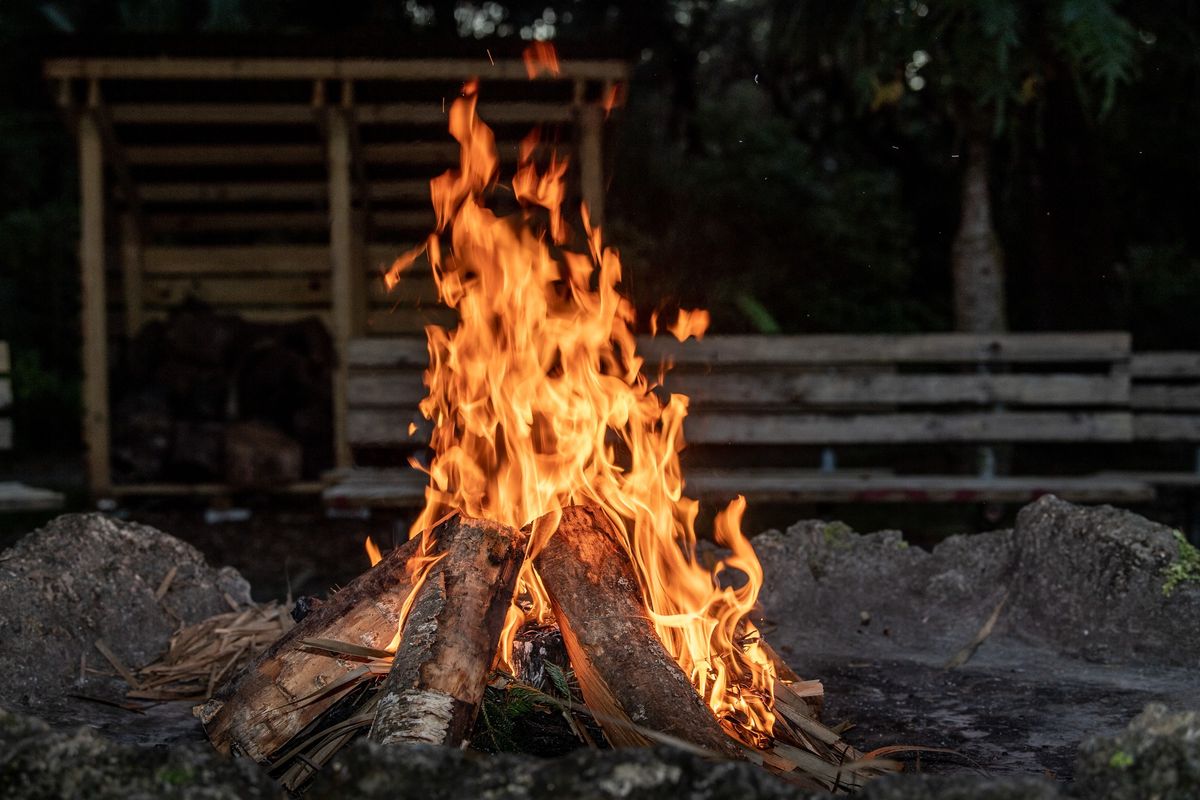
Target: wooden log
263 707
441 666
621 665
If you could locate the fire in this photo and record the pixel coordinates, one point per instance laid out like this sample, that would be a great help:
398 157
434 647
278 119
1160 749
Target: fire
539 401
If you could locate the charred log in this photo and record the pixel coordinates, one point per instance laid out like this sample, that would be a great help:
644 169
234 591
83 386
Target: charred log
621 665
291 684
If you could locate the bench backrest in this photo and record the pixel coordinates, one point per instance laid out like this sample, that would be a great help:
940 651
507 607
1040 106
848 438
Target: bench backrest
903 389
6 432
825 390
1166 396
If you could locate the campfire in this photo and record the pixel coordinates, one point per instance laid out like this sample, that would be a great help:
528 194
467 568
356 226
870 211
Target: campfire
555 502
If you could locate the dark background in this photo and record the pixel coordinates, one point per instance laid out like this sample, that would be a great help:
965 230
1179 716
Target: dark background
791 165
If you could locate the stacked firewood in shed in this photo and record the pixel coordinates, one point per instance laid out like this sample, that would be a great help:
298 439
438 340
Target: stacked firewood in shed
207 396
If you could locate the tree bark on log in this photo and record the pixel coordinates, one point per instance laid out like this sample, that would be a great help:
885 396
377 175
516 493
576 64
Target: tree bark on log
258 711
622 667
453 628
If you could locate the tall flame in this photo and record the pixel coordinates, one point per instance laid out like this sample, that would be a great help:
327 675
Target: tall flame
539 401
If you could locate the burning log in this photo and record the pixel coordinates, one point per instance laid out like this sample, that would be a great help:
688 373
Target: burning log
622 667
291 684
440 669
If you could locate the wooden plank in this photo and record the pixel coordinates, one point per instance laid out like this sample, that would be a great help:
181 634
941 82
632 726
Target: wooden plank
288 258
416 190
419 222
437 153
383 389
379 488
784 486
1166 427
6 434
19 497
235 192
274 290
412 290
341 248
1018 426
251 314
6 396
383 353
884 349
93 312
409 321
206 155
591 160
209 489
430 113
200 222
387 427
4 359
1166 364
306 69
1159 477
404 487
1166 397
774 388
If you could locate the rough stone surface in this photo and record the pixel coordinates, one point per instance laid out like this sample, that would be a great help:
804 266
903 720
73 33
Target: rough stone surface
1086 638
1092 582
1157 756
1085 582
85 577
39 762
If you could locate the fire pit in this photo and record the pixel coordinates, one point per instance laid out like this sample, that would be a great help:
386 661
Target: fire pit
555 497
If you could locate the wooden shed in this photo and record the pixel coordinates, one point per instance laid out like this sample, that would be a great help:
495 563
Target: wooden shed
277 187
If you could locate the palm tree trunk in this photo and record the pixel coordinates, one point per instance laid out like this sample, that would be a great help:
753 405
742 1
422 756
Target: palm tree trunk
978 262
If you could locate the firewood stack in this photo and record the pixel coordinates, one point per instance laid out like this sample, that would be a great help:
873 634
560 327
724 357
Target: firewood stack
405 653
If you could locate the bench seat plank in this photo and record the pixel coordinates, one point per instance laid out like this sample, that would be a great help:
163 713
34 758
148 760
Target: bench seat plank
791 486
404 488
19 497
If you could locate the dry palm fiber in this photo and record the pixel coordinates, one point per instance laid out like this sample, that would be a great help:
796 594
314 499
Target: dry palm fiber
200 656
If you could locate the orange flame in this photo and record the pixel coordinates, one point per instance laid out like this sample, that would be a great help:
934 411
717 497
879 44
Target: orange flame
538 401
373 551
540 57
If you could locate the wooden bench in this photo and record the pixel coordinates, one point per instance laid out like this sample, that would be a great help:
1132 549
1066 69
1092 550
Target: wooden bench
804 401
16 496
1165 398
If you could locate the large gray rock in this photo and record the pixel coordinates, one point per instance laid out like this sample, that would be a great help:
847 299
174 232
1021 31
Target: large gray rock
1096 583
39 762
1157 756
833 591
85 577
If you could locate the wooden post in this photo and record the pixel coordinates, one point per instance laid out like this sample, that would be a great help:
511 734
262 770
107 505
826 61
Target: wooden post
131 270
91 263
591 160
341 245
